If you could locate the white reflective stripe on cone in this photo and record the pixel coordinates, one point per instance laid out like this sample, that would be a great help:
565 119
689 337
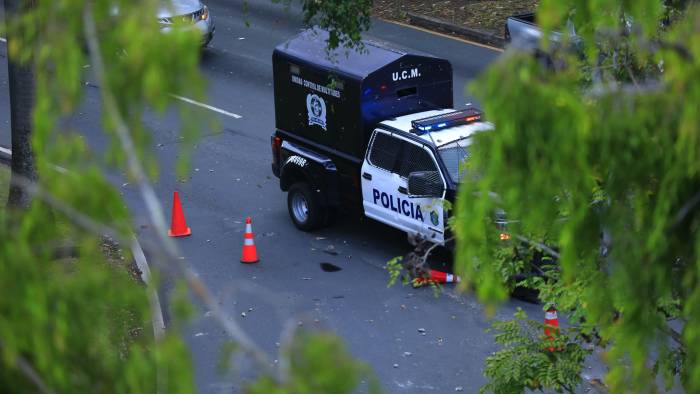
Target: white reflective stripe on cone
248 228
550 315
449 278
248 242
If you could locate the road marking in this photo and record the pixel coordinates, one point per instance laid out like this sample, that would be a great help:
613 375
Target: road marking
193 102
464 40
5 151
207 106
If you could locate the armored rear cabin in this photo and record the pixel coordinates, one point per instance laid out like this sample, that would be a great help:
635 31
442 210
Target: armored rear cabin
334 100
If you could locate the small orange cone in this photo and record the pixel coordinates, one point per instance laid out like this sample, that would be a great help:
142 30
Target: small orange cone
178 225
436 277
250 253
551 325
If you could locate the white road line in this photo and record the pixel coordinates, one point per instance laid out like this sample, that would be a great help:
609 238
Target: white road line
207 106
5 151
189 100
193 102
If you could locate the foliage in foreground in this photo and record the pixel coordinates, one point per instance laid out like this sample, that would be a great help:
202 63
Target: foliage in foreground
599 156
75 321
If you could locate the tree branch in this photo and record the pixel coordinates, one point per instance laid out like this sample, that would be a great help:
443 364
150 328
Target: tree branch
685 210
675 335
148 195
539 245
30 373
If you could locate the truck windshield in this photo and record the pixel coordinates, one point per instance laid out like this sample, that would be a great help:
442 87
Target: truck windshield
453 155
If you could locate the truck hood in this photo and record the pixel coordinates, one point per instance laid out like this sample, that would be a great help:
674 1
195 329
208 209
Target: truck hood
170 8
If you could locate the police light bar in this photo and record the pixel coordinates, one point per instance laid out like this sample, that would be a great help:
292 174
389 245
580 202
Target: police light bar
449 119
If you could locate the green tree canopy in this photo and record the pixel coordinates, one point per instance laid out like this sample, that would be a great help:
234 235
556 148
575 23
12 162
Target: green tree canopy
77 322
598 156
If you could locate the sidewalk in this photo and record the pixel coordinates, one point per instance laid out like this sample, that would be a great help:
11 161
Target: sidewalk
477 20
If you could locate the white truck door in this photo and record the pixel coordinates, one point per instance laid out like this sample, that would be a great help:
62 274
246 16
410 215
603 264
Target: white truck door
380 179
422 215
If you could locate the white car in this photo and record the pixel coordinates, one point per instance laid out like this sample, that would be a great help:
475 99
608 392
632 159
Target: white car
188 11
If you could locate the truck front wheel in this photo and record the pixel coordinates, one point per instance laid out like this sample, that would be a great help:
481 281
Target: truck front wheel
306 211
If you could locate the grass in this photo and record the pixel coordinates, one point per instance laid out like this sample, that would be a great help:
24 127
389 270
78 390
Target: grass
4 184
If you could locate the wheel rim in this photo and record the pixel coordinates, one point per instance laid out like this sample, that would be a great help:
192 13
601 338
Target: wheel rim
300 207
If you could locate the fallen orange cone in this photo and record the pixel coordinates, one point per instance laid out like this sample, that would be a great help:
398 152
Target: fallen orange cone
436 277
250 253
178 225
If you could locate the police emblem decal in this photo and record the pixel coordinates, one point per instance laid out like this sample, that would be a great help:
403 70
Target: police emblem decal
317 110
434 218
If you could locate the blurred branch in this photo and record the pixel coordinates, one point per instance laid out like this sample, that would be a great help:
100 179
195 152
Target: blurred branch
675 335
539 245
147 193
30 373
685 210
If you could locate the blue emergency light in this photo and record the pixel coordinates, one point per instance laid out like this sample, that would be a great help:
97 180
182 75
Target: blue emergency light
456 118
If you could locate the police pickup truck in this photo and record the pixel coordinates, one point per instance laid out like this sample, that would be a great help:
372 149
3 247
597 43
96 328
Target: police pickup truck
372 130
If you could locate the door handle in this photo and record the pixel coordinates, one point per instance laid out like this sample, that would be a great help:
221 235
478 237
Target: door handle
367 176
403 190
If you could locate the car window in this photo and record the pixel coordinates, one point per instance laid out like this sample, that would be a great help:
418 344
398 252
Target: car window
385 150
415 158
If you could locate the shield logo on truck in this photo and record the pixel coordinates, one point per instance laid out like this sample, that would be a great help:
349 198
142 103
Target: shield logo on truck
434 218
317 110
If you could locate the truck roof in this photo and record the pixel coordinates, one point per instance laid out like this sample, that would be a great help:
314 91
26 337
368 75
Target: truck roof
311 45
442 136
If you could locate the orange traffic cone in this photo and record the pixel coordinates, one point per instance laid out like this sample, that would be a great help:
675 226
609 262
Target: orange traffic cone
436 277
551 325
178 225
250 253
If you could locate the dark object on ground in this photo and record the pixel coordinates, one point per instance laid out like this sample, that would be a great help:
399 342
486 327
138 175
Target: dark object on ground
328 267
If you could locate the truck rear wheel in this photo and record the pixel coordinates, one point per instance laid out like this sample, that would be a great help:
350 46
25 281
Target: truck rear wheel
306 211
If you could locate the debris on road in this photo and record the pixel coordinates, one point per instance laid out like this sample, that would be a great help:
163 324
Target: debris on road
407 354
330 249
243 314
396 365
421 331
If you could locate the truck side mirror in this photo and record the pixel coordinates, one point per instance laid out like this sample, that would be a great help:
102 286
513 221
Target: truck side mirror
425 184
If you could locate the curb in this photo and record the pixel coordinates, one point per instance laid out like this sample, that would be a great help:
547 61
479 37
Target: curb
443 26
5 155
157 319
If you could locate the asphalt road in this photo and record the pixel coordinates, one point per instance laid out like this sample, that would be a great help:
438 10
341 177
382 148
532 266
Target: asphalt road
231 179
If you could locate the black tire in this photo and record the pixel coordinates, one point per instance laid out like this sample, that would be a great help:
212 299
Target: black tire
304 207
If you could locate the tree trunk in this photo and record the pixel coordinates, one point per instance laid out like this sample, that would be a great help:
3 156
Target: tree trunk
22 91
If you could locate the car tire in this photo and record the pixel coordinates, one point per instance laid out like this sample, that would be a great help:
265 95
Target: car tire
304 207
